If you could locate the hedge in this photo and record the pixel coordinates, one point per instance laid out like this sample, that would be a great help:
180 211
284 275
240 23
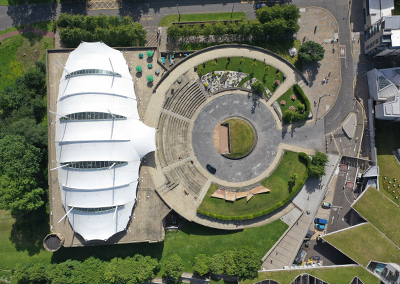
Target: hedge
295 190
290 116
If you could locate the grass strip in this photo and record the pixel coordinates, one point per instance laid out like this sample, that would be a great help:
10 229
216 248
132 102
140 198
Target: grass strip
380 212
168 20
363 244
9 30
11 2
241 137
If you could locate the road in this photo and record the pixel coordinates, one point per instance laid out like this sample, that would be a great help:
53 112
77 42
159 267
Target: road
149 15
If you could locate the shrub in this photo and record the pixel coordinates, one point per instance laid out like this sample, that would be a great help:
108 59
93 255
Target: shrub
257 86
311 51
205 84
302 111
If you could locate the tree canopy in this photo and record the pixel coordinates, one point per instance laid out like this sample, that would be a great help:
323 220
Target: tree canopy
311 51
172 266
201 264
317 168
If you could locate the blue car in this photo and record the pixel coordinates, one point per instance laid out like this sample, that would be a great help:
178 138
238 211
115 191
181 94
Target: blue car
320 221
319 227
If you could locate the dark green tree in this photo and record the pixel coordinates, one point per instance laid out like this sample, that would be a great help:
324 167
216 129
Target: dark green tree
248 262
62 273
315 171
10 99
172 266
311 51
300 107
90 271
230 267
319 159
258 86
30 274
217 264
201 264
287 116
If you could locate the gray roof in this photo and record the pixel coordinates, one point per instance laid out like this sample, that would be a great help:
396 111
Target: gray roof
392 22
372 172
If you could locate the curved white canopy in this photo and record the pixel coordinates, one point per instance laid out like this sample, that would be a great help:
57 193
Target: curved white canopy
99 201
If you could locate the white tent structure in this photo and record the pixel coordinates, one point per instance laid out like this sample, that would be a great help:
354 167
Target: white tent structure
99 141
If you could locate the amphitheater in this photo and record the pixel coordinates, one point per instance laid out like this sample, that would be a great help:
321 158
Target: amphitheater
185 115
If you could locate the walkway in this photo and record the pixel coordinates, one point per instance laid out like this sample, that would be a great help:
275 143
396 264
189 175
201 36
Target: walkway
28 30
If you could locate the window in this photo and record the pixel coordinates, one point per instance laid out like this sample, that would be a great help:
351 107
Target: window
92 72
383 83
92 116
93 165
94 210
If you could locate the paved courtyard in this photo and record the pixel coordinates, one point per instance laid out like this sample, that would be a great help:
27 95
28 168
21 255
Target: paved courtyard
309 136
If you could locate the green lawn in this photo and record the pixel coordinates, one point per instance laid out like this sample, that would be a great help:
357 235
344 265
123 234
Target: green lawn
365 243
168 20
342 275
11 2
386 140
192 240
12 50
277 182
289 102
45 25
9 30
265 73
280 47
381 213
241 136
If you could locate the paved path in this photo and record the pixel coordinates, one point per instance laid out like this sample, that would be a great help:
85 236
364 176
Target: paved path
28 30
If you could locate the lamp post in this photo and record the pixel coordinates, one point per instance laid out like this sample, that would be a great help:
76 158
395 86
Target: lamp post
319 100
178 12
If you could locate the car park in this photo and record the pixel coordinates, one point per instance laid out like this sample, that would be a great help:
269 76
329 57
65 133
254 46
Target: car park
320 221
319 227
326 204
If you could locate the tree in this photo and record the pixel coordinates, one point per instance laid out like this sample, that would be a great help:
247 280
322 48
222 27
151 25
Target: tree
217 263
319 159
315 171
311 51
257 86
30 273
293 177
300 107
10 100
201 264
287 116
172 266
62 273
207 30
248 262
229 263
90 271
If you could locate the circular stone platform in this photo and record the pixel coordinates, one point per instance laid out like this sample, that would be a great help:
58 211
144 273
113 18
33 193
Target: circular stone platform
229 106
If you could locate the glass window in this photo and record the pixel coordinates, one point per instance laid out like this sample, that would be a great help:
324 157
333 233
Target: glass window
92 72
92 116
93 164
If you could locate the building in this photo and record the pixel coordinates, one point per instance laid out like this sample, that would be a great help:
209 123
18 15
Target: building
374 10
383 86
388 273
99 141
382 38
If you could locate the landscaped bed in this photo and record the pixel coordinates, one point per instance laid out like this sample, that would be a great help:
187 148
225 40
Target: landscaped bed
296 103
260 204
168 20
241 136
387 140
380 212
363 244
342 275
257 69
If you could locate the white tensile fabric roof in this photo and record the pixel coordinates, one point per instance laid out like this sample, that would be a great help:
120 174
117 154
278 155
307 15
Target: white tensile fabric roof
99 200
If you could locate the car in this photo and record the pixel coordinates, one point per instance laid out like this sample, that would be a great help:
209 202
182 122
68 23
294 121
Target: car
319 227
211 169
258 6
307 243
326 204
320 221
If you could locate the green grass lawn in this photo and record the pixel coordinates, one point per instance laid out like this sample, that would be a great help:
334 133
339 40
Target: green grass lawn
241 136
266 74
9 30
168 20
192 240
280 47
365 243
12 50
342 275
289 102
45 25
277 182
381 213
386 140
11 2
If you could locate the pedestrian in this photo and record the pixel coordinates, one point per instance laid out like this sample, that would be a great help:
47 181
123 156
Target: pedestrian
323 81
329 74
315 29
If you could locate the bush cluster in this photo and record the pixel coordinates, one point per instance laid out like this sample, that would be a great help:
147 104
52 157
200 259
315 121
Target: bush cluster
137 269
243 263
297 115
311 51
23 143
273 21
278 205
112 30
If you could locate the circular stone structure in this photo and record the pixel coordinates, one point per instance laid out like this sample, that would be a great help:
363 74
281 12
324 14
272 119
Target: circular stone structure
230 106
53 242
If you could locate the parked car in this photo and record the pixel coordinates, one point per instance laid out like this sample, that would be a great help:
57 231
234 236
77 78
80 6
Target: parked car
211 169
320 221
258 6
319 227
326 204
